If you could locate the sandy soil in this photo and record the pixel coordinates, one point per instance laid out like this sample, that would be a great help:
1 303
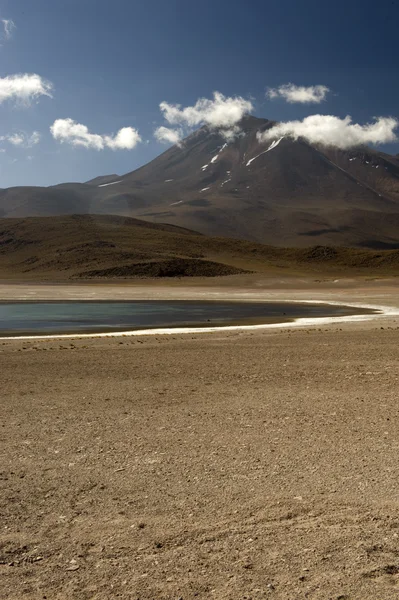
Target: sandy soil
230 465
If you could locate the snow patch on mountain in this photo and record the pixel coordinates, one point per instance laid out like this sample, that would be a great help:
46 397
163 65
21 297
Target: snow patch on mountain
112 183
214 159
272 145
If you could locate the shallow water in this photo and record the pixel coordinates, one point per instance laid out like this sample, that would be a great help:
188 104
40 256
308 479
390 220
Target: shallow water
85 317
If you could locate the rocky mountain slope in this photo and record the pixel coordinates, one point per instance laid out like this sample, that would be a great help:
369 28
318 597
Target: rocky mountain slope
285 193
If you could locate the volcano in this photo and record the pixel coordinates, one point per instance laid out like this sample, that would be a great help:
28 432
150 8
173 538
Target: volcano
285 192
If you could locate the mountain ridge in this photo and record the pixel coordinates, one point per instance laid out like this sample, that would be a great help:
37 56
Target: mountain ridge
285 193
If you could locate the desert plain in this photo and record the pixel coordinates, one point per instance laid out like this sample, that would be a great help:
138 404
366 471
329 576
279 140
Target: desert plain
244 464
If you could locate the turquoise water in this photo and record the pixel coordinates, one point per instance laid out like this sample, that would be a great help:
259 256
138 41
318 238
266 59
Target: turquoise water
70 317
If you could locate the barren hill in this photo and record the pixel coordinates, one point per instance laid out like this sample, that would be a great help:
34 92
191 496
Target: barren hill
88 246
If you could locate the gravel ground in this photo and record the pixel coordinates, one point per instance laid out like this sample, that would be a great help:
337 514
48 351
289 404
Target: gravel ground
231 465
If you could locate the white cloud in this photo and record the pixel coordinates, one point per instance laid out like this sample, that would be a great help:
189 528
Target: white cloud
328 130
8 26
76 134
168 136
221 112
14 138
22 139
232 133
298 93
24 87
126 139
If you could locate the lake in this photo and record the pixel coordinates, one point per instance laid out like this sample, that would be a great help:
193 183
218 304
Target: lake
37 318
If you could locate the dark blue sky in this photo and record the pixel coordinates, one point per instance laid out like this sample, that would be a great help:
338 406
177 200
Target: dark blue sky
112 63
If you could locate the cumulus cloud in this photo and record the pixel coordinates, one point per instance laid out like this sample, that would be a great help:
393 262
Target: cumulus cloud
168 136
126 139
8 28
22 139
76 134
220 112
24 88
313 94
328 130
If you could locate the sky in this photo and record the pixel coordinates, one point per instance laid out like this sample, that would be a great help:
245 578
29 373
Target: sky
93 87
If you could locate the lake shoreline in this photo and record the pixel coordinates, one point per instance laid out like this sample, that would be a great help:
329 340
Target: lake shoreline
297 313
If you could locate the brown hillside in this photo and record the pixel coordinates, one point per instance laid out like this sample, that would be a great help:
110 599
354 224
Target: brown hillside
65 247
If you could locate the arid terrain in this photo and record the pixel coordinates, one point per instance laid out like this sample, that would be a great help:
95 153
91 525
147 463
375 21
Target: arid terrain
227 465
103 247
199 300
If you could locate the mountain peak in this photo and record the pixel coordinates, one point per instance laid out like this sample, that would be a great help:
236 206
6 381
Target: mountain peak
282 192
247 123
